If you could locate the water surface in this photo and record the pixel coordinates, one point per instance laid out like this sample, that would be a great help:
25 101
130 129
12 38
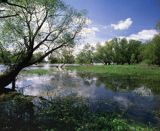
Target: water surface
134 98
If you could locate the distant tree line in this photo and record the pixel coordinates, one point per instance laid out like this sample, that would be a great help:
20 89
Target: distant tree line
119 51
123 51
64 56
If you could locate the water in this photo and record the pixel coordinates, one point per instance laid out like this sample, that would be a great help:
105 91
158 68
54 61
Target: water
134 98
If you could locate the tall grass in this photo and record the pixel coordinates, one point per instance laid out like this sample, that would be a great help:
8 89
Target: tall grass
145 72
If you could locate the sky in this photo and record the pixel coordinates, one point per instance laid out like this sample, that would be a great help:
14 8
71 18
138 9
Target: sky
107 19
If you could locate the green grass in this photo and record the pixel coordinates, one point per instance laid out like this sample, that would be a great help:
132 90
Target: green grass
137 71
37 71
146 72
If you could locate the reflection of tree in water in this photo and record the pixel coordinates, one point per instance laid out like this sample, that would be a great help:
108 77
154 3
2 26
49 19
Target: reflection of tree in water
129 83
143 91
112 82
118 83
66 79
68 83
84 84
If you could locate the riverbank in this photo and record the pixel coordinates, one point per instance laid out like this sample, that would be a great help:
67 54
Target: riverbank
34 113
137 71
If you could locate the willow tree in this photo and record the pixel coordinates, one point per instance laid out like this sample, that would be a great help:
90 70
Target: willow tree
29 26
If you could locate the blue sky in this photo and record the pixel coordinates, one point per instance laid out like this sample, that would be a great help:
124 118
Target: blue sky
133 19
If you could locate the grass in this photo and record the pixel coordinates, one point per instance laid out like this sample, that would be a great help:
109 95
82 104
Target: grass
137 71
134 71
37 71
69 114
145 72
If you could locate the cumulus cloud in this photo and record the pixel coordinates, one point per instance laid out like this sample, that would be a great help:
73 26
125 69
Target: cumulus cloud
143 35
123 24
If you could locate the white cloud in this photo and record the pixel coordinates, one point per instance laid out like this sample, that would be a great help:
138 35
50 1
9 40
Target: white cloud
96 29
123 24
89 32
143 35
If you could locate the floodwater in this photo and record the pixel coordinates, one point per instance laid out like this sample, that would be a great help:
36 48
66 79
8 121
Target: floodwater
137 99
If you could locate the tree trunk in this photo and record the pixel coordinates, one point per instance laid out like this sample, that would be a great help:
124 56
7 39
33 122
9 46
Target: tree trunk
14 84
9 77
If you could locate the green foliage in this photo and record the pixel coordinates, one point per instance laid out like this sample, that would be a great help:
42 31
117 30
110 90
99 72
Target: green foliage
105 54
22 33
7 57
4 57
119 51
53 59
66 114
68 57
133 59
86 55
156 42
37 56
147 53
133 52
151 51
72 113
65 56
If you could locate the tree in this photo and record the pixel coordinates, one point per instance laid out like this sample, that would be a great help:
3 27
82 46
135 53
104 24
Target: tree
126 51
105 54
121 50
54 58
67 56
156 43
37 56
36 25
5 57
151 51
147 53
85 56
64 56
133 55
158 26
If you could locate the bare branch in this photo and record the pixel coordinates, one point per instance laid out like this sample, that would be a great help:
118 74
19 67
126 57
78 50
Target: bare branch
56 48
16 5
40 26
8 16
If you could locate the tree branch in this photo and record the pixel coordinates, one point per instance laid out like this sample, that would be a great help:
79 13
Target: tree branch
52 50
12 4
40 26
8 16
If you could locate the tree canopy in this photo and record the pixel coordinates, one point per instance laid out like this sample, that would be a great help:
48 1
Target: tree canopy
29 26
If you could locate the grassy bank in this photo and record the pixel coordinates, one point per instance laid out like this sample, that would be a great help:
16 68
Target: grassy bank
145 72
37 71
137 71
